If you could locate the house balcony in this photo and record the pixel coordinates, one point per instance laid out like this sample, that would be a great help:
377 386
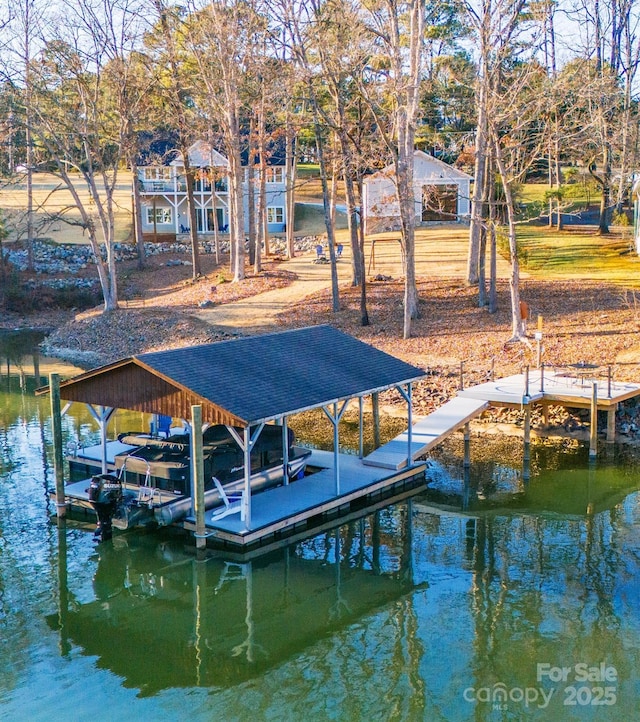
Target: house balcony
153 187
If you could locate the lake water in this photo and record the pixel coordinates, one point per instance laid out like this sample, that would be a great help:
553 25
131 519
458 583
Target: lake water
483 598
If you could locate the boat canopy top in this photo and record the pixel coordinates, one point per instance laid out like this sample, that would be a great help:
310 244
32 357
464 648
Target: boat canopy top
245 381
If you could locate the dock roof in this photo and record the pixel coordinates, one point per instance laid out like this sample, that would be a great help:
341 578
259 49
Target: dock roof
247 380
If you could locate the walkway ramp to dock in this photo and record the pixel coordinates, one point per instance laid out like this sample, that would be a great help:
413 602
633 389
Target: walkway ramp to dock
427 433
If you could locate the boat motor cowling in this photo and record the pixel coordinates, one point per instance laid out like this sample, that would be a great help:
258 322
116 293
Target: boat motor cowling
105 495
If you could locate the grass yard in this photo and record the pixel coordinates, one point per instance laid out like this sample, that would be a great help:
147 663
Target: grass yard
578 252
55 214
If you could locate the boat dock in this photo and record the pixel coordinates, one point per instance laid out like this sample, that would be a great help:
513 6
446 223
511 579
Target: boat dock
277 513
220 384
427 433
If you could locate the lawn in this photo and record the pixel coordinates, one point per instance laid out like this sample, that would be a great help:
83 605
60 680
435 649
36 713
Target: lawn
578 252
55 215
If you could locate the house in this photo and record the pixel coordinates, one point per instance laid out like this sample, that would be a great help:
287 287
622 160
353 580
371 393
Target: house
441 193
163 193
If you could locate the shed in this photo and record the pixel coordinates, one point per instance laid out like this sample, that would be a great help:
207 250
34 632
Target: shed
441 193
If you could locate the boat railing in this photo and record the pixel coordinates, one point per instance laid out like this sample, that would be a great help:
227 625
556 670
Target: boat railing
146 491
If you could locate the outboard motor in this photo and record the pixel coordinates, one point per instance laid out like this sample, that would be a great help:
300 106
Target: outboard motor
105 495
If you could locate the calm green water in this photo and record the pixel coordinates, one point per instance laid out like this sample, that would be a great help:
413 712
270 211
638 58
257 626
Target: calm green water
436 608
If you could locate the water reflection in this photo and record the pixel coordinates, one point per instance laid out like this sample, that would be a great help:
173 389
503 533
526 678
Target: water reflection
470 585
218 623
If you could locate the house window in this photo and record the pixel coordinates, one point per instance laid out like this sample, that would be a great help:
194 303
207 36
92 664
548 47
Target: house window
275 174
163 173
275 214
162 216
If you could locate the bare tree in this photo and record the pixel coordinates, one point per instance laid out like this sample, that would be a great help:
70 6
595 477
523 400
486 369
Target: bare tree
226 40
178 95
399 29
77 119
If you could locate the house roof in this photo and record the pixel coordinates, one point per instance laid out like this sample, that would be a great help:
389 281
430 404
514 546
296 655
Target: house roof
203 155
245 381
438 169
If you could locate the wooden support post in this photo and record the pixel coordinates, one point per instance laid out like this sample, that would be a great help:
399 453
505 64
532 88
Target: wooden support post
527 443
593 436
336 447
461 380
56 422
545 415
197 475
245 512
375 408
285 450
63 588
467 446
409 426
36 367
103 421
611 425
360 427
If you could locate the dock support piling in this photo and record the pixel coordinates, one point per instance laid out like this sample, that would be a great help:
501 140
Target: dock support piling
360 427
197 474
56 421
285 450
611 425
467 446
593 435
375 408
527 442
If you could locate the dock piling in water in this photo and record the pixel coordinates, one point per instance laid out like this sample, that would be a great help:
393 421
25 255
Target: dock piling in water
56 421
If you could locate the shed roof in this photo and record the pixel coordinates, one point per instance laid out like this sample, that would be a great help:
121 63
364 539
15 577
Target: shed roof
245 381
426 167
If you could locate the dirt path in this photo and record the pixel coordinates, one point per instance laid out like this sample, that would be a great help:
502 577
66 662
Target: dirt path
441 252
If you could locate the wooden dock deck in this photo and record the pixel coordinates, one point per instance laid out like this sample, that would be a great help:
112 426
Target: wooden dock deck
552 387
318 499
278 512
426 433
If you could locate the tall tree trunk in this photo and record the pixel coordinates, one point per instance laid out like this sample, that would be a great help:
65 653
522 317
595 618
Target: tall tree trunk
476 221
517 327
331 240
196 271
251 195
237 237
291 140
137 211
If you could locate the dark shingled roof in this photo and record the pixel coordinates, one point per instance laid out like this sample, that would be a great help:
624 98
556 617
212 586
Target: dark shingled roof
246 380
262 377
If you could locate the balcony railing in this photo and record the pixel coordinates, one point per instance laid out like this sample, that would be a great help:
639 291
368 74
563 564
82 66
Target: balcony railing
167 186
